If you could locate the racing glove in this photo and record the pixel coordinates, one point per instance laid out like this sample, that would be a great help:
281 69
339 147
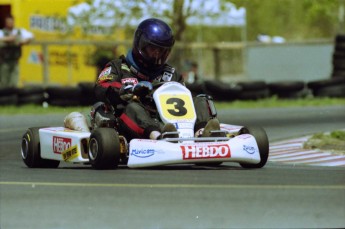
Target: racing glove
126 92
142 89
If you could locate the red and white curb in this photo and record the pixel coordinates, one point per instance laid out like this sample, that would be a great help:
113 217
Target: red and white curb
292 152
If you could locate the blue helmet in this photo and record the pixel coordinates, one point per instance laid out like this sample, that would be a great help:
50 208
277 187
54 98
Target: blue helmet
152 44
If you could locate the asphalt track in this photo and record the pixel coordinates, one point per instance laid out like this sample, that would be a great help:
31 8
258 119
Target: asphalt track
179 196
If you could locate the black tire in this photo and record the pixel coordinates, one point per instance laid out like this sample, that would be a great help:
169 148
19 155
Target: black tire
288 89
340 47
32 99
263 144
295 94
196 88
34 94
286 86
340 38
339 74
222 91
87 93
339 64
104 148
334 91
31 152
8 91
30 90
253 94
67 92
253 90
9 99
8 96
64 96
338 55
64 102
253 85
317 84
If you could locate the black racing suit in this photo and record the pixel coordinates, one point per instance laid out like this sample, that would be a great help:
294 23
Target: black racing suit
136 120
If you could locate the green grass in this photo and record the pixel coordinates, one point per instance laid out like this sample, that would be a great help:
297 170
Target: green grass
275 102
333 141
36 109
263 103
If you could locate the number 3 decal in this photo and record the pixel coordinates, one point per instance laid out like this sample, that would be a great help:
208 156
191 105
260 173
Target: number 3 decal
179 109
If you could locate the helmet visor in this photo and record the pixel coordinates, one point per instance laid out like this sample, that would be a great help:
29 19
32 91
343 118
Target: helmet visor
153 54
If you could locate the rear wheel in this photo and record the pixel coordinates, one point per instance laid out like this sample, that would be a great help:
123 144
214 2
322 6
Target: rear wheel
263 145
31 151
104 148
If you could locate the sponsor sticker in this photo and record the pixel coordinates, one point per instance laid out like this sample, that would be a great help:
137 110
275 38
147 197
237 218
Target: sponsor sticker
249 149
70 153
105 72
206 151
143 153
133 81
184 125
167 76
125 67
244 136
104 78
61 144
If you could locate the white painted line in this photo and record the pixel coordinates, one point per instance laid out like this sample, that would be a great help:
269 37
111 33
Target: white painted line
329 158
283 152
334 163
190 186
292 152
312 160
300 154
316 157
296 145
295 140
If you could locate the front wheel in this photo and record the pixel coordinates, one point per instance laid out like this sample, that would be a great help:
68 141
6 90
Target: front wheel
104 148
31 151
263 145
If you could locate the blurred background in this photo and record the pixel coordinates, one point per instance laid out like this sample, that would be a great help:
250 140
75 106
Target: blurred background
225 41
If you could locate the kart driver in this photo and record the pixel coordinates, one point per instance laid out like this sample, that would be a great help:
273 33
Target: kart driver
146 61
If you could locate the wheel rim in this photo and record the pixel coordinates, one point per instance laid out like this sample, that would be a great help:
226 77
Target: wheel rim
25 148
93 149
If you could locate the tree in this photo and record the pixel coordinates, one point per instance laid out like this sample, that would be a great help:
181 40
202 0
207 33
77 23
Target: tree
107 15
292 19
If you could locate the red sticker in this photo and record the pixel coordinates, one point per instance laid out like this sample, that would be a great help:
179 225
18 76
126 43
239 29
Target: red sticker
133 81
60 144
206 151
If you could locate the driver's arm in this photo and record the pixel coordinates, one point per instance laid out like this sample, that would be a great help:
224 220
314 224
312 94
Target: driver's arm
108 85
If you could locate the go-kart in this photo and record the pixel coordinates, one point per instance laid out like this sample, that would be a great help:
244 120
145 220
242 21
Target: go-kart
106 147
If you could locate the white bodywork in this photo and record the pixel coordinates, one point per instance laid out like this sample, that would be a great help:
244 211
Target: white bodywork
63 144
175 105
242 148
